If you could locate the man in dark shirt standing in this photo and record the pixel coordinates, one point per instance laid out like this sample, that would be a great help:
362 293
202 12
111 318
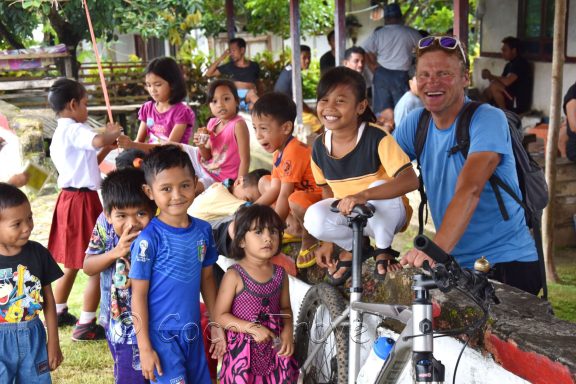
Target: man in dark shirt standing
512 90
328 60
243 72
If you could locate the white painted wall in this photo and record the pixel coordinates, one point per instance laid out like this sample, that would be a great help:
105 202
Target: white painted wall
499 21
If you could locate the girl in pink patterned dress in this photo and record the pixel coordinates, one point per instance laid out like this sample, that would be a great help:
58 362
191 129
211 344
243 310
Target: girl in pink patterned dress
254 304
226 154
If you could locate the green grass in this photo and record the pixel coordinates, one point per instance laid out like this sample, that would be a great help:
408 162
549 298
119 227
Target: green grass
84 362
563 295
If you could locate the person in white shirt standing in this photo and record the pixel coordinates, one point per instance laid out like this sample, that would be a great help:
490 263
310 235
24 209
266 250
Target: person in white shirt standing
75 152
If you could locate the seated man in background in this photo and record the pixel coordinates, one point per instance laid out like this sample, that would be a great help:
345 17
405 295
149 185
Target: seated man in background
354 58
243 72
284 82
513 89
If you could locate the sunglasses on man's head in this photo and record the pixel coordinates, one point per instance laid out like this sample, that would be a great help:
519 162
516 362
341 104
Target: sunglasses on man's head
445 42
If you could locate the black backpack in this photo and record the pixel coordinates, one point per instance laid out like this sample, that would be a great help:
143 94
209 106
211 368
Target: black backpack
531 177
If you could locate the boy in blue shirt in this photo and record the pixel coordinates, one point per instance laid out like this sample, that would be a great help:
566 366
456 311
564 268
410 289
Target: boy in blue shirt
127 210
172 261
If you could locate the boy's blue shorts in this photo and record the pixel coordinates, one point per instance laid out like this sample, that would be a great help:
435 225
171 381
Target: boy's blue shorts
181 356
23 353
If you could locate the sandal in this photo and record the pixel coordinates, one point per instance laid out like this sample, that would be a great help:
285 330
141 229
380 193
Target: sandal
367 252
304 253
288 238
336 281
390 260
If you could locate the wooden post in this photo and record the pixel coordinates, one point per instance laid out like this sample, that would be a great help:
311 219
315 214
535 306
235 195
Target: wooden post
230 19
296 68
340 31
461 8
553 131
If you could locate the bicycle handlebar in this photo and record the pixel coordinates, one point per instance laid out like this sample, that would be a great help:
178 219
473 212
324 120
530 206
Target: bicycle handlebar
448 274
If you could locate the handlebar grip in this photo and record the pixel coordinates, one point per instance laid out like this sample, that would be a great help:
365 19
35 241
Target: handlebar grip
424 244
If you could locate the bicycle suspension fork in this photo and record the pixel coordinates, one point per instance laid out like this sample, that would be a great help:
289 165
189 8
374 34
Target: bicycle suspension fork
426 368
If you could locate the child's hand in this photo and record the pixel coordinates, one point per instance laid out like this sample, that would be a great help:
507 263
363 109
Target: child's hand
149 361
260 333
114 129
125 242
218 339
287 343
347 204
124 142
55 357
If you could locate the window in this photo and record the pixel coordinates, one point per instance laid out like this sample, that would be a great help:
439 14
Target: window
536 28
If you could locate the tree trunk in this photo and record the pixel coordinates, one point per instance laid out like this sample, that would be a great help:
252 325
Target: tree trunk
67 36
553 130
10 38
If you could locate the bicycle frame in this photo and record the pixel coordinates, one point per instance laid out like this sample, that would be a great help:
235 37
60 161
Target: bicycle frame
417 337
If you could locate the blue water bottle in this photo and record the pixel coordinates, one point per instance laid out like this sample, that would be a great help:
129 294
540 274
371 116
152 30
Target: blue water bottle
378 355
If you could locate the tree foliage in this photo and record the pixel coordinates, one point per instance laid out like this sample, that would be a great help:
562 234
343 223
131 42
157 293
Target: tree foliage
173 19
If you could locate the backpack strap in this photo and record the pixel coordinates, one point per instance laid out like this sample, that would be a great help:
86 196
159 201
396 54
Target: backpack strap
463 129
463 145
419 140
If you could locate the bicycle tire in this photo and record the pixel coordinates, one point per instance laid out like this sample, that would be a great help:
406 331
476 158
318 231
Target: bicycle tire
321 306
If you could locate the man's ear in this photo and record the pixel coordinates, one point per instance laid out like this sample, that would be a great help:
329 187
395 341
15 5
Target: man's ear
148 191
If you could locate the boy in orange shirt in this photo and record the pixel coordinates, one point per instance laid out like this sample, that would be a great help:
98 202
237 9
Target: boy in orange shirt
292 188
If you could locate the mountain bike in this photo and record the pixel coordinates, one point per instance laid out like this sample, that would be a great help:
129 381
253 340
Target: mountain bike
328 332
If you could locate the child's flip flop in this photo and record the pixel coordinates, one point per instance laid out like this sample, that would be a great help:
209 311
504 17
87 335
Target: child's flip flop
304 253
288 238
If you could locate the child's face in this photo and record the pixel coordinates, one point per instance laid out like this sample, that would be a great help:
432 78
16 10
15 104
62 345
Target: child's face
16 225
173 190
339 109
261 243
305 58
130 219
245 192
158 88
78 109
223 105
270 134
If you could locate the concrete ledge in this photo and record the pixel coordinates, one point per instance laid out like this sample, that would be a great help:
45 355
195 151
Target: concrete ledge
521 334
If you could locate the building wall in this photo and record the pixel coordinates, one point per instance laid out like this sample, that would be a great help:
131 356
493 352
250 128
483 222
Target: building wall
500 20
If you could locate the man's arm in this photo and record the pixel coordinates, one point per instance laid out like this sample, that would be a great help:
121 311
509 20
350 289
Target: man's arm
504 80
213 68
571 114
478 168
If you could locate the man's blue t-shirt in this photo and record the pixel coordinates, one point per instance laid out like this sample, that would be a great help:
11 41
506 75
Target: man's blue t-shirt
487 234
172 260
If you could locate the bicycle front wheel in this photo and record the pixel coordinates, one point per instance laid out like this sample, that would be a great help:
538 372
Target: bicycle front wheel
321 306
